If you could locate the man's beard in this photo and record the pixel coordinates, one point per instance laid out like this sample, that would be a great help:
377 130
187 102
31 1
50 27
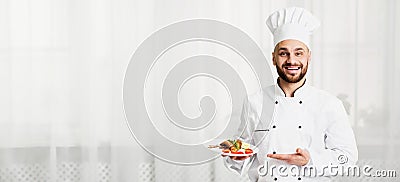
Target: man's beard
291 79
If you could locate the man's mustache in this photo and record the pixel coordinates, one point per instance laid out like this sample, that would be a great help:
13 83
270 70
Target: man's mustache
290 64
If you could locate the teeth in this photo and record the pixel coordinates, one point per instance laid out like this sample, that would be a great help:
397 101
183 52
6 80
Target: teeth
293 68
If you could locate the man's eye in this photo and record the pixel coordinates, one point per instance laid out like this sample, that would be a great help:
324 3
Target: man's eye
283 54
298 54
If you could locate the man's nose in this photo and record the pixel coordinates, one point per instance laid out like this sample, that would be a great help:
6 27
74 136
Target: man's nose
291 59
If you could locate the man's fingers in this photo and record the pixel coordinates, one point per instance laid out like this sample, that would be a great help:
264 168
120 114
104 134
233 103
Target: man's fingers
280 156
239 158
301 157
303 153
299 151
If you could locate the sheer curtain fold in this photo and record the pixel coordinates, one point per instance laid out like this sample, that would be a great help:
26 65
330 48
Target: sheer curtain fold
57 90
62 65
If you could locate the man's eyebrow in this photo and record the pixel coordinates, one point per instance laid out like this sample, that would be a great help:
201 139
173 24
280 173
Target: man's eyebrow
286 49
299 49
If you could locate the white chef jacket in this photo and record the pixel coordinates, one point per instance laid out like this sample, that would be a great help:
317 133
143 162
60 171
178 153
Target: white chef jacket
313 120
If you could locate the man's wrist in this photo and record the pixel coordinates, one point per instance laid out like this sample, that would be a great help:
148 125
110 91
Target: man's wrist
309 162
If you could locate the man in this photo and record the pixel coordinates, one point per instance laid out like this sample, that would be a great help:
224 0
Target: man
293 123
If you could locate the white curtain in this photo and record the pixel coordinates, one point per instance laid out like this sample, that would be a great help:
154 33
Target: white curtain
62 65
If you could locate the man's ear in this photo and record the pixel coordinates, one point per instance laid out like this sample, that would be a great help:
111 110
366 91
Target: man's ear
273 59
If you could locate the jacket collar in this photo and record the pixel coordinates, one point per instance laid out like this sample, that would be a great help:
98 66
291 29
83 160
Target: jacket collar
299 92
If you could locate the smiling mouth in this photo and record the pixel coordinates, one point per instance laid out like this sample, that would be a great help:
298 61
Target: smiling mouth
292 68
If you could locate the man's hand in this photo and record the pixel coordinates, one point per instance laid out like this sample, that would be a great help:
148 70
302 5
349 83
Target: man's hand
300 158
238 158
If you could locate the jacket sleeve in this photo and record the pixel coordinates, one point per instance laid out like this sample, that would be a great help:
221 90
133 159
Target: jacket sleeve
340 145
244 133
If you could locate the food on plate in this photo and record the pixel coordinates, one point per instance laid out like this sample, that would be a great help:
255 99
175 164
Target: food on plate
248 151
234 147
226 145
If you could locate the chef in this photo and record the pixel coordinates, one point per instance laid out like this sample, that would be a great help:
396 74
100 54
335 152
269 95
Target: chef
293 123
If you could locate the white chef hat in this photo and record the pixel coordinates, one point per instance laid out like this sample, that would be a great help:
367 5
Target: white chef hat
292 23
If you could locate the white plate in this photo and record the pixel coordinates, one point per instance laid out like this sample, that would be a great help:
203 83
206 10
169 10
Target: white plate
218 150
255 150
